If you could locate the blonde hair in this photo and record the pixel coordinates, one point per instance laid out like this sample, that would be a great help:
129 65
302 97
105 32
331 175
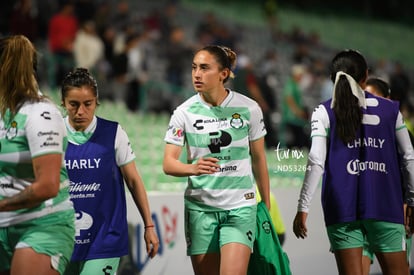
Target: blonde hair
18 84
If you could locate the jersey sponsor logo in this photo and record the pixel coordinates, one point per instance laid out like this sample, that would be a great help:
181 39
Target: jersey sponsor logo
46 115
7 185
83 221
355 166
249 196
213 120
82 163
367 142
48 134
314 125
217 140
236 121
84 187
228 168
50 141
223 157
249 235
222 123
197 126
107 270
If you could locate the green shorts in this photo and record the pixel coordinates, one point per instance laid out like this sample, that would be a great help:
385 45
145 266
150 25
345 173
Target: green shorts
52 235
381 236
207 232
366 251
107 266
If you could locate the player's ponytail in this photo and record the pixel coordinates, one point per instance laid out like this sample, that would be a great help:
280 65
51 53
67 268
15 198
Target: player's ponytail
349 68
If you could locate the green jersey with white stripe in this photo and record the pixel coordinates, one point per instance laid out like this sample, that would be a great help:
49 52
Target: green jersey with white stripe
222 132
37 129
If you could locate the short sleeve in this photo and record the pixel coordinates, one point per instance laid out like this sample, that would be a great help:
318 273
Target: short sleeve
45 130
399 123
123 149
320 122
176 129
257 126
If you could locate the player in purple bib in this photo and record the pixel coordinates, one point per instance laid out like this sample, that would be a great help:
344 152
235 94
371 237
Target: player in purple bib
362 151
99 159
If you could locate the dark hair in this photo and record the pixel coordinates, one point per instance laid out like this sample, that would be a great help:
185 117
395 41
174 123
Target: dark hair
380 85
225 56
18 84
79 77
347 111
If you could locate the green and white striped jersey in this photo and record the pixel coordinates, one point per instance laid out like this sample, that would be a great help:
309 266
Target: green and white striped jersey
223 132
37 129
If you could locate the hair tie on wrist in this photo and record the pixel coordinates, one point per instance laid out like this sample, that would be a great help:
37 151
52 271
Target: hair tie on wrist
149 226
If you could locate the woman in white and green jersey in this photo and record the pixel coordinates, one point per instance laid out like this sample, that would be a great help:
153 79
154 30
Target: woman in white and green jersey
223 132
36 215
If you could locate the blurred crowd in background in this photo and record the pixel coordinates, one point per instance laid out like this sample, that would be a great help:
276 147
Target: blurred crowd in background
140 53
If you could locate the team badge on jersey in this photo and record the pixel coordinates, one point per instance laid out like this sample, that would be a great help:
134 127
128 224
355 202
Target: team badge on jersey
236 121
266 227
12 131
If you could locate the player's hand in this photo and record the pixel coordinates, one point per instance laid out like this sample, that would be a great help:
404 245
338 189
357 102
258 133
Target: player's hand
151 241
299 225
206 166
